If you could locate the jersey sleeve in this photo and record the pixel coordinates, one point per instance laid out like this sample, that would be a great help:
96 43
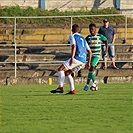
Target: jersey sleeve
72 40
87 46
103 38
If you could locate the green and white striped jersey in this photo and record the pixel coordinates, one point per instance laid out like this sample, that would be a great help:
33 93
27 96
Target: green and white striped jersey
95 43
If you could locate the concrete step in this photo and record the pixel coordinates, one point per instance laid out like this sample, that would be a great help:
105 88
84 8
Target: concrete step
77 80
124 56
53 49
53 35
27 73
119 38
55 66
35 49
7 51
100 65
48 57
123 48
49 49
84 73
126 7
126 4
34 57
64 5
21 3
127 12
110 72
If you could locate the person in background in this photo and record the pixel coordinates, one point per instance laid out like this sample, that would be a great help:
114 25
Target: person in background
94 41
109 33
75 63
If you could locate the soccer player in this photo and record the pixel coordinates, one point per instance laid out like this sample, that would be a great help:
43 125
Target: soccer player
76 62
94 40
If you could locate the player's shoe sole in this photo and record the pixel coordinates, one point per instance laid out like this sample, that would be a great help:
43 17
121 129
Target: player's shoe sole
58 90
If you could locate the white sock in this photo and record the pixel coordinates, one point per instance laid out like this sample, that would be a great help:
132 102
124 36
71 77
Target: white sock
61 78
70 82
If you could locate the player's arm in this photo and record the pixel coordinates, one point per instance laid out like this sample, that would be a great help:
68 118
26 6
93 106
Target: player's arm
88 64
72 54
73 50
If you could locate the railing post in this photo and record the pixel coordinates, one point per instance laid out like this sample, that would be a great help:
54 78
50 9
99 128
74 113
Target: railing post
71 24
125 28
15 53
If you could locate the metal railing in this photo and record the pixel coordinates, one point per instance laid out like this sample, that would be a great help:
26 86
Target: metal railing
44 17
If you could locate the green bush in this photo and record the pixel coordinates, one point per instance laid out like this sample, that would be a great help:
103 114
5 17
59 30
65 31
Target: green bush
29 11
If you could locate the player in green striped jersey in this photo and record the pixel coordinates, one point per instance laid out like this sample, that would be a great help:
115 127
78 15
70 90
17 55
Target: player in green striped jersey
94 40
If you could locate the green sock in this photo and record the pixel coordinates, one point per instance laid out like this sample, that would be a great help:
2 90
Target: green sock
91 75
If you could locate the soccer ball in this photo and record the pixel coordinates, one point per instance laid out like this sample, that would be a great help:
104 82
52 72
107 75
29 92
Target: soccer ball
94 87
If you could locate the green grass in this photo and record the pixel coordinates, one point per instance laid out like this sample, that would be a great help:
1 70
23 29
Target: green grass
33 109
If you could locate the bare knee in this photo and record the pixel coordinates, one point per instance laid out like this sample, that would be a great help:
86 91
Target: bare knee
68 72
62 68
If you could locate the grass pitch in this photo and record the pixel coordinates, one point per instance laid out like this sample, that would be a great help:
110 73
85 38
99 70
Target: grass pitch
33 109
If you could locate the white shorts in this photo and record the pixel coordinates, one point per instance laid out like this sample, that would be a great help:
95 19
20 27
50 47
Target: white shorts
76 65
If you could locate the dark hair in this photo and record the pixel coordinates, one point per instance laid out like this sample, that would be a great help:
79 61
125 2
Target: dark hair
75 28
92 25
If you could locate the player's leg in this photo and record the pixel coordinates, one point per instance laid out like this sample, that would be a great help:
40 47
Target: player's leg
79 73
61 75
75 67
71 84
61 78
91 75
66 70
